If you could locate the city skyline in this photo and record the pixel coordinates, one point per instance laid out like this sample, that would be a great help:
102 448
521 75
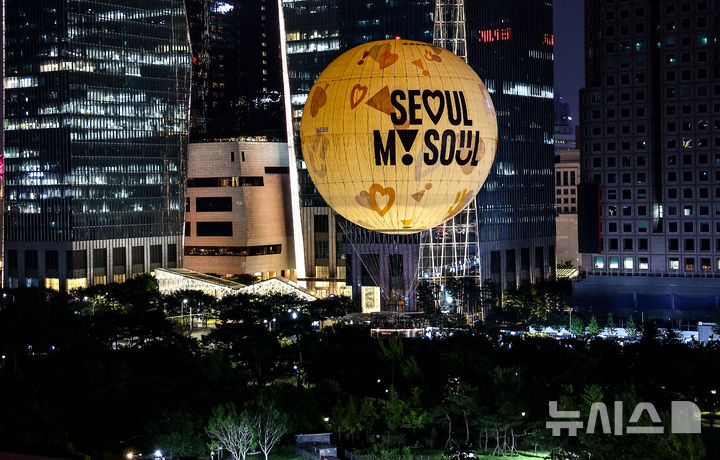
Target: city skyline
216 238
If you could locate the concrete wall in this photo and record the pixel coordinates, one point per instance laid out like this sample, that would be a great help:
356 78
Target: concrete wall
566 239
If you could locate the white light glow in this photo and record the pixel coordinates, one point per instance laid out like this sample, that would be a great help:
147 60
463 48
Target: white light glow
292 161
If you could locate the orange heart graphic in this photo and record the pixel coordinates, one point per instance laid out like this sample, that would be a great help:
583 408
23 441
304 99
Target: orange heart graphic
432 57
354 99
384 191
387 59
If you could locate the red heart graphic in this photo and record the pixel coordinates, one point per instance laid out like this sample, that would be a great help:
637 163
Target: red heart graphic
387 59
354 100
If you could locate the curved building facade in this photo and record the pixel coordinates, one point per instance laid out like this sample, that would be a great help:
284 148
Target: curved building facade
238 213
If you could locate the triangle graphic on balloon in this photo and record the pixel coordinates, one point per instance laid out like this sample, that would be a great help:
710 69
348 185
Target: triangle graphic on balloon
381 101
417 196
421 65
407 138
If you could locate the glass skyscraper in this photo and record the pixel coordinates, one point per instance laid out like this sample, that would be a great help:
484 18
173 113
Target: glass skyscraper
96 97
510 45
237 75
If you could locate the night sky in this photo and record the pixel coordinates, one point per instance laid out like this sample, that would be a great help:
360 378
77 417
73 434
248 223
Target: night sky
569 51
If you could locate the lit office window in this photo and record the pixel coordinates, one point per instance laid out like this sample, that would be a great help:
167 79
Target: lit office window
614 262
628 263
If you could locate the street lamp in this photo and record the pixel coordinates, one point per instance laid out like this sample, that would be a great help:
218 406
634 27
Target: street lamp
182 315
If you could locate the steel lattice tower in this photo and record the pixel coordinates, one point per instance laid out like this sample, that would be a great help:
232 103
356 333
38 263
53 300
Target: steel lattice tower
449 30
451 249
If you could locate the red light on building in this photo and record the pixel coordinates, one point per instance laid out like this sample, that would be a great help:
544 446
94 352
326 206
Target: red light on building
397 37
549 39
494 35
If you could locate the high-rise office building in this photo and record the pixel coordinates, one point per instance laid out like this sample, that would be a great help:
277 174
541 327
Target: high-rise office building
96 100
510 45
565 127
237 78
650 114
567 179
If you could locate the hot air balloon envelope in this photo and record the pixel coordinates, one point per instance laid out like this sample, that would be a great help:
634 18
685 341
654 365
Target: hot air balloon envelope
398 135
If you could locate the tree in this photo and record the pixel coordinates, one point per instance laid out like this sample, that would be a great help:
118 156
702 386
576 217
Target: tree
650 331
630 328
465 292
234 433
415 415
394 411
427 296
593 326
671 336
270 426
392 354
178 432
330 307
716 324
577 325
461 400
244 334
610 325
368 415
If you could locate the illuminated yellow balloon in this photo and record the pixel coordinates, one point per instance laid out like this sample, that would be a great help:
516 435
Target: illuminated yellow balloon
398 135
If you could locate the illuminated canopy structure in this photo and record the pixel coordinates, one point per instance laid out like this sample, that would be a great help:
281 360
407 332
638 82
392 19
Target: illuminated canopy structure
398 135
